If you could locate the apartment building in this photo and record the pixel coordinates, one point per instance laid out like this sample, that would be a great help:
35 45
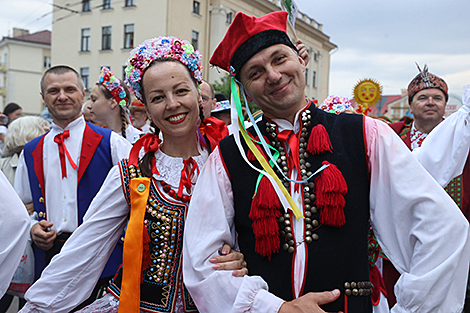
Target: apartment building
90 34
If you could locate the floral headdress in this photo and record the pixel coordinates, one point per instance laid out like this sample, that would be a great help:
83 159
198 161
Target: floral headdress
113 85
336 105
159 48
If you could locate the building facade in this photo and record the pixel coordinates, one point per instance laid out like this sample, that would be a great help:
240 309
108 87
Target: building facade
90 34
23 59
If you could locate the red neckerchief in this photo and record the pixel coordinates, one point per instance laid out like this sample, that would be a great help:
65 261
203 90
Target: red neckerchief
59 139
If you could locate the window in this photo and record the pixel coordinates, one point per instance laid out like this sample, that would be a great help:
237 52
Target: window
306 76
124 72
196 6
86 6
314 79
195 39
85 74
106 4
128 36
228 18
106 38
47 62
86 34
129 3
108 66
315 56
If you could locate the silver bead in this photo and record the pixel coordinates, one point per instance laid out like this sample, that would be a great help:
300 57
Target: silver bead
315 223
315 237
308 239
291 250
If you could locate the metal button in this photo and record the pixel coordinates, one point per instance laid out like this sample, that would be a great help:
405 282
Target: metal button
41 200
42 214
141 188
65 219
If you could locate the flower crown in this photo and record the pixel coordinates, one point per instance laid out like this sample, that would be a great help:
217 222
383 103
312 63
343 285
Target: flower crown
159 48
336 105
113 85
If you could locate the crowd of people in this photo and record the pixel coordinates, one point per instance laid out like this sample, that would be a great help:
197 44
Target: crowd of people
172 202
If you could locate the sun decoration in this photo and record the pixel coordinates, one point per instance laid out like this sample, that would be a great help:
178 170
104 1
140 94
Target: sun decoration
367 92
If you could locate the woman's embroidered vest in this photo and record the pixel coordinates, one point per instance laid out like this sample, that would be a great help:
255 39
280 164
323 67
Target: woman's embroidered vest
162 280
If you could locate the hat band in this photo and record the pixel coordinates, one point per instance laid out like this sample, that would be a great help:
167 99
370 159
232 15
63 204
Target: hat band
255 44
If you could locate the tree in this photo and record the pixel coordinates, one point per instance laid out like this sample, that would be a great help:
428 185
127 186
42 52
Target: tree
224 87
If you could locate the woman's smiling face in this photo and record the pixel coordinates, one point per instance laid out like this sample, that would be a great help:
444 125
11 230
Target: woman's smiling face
172 98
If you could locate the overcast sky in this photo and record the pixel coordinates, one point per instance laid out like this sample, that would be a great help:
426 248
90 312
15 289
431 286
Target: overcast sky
375 39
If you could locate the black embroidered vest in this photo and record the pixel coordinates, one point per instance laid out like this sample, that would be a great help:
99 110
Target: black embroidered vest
162 281
340 255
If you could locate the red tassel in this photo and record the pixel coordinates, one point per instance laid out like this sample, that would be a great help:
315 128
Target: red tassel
264 214
146 260
330 188
319 141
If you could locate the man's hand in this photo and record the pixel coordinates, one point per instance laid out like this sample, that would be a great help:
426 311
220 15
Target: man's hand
310 302
230 260
42 238
302 51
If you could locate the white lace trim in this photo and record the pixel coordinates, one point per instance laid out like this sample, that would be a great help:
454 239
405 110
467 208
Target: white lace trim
170 168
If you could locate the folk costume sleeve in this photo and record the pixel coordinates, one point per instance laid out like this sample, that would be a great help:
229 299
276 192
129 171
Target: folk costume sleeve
120 148
14 230
208 229
444 152
71 275
418 226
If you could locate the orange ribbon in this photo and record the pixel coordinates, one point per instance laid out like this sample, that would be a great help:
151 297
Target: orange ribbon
129 301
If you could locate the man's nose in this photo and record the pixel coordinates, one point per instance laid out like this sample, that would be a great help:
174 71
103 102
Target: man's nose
273 75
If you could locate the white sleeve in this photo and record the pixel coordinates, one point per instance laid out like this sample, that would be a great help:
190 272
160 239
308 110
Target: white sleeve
444 152
417 225
210 224
120 148
14 230
70 277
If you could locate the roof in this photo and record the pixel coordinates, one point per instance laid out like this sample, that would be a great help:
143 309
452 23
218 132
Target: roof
42 37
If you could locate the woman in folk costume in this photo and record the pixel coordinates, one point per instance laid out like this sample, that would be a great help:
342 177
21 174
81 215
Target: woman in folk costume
164 74
108 105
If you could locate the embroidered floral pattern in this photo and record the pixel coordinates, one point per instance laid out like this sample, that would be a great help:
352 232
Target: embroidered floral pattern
160 48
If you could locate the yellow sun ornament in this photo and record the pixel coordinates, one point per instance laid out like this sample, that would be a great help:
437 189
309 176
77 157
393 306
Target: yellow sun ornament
367 92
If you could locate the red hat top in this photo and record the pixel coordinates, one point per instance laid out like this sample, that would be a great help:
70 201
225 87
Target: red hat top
248 35
426 80
137 105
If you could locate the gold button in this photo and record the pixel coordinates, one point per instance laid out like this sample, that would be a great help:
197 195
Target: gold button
141 188
39 186
41 200
122 238
42 214
65 219
65 197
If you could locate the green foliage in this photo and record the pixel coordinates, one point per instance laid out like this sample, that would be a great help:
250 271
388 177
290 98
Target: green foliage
224 87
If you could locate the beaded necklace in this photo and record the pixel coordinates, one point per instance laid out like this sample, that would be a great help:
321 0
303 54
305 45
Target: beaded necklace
308 194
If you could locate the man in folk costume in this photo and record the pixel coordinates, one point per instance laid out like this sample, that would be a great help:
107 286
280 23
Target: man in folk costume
306 247
61 171
427 97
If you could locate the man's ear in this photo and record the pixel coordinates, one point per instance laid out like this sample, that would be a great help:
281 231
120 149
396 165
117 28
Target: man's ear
302 63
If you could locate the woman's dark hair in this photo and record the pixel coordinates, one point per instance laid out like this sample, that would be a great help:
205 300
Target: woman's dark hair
10 108
108 96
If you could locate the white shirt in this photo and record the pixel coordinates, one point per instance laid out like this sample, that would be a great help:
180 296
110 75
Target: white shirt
14 232
71 275
412 216
61 193
133 134
3 130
